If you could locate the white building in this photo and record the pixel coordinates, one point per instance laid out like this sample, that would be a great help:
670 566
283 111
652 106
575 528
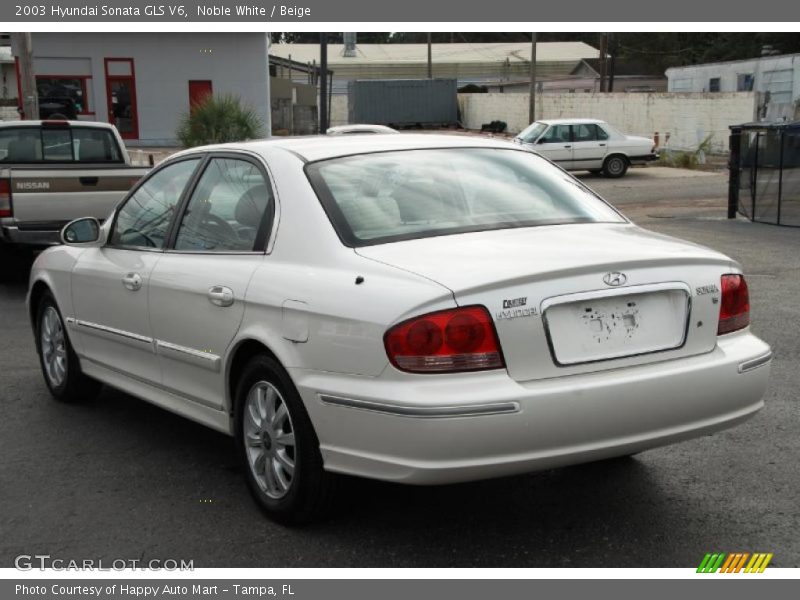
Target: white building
8 84
145 82
776 77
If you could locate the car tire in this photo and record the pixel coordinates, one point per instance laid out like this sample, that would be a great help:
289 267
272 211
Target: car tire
615 166
60 365
278 447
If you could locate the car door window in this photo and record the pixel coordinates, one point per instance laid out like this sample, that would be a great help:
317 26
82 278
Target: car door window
585 132
602 134
144 219
556 134
229 209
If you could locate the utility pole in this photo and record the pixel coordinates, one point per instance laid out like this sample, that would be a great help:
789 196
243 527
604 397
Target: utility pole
603 55
30 98
323 82
430 58
612 67
268 115
532 105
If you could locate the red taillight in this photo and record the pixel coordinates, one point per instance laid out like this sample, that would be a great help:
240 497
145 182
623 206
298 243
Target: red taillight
5 198
461 339
734 308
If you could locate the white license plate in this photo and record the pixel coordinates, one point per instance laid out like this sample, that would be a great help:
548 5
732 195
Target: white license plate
587 328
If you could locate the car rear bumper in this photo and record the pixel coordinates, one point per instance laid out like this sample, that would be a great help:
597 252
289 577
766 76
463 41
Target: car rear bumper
645 158
33 236
445 429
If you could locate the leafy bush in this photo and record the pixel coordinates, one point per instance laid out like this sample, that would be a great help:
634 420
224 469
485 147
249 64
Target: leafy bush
687 160
217 120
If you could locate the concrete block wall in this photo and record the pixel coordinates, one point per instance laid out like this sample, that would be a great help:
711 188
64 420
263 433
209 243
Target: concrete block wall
688 117
339 110
8 113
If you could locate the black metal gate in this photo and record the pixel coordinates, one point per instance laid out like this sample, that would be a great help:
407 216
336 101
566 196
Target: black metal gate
764 183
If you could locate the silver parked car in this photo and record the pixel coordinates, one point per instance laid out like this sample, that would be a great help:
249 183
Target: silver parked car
421 309
587 145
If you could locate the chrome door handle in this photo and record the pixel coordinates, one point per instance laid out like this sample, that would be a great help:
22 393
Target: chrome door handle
567 146
132 281
602 144
220 295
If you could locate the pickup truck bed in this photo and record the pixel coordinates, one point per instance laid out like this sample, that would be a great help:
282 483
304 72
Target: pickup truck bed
39 196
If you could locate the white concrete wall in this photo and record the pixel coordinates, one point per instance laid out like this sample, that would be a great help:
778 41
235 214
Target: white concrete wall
689 118
8 113
339 114
164 64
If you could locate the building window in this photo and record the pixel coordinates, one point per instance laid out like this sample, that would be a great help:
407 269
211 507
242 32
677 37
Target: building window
744 82
713 84
63 95
779 84
681 85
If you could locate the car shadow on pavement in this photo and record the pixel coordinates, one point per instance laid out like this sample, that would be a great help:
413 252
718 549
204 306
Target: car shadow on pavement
547 518
15 265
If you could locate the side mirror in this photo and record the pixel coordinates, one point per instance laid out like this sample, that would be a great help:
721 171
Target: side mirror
81 231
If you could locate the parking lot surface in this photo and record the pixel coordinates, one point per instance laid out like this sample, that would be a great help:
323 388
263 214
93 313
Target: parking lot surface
120 479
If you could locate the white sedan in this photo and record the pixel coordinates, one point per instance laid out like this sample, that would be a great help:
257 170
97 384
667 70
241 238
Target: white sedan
421 309
587 145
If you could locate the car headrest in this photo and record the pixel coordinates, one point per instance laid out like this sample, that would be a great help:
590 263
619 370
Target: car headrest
22 150
251 206
92 150
419 201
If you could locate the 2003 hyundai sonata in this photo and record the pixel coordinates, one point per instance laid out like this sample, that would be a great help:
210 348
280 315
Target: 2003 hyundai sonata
415 308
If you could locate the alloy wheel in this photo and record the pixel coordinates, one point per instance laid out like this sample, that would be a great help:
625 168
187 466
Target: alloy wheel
54 347
269 439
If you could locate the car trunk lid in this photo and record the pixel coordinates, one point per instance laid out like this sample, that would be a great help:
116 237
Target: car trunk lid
570 299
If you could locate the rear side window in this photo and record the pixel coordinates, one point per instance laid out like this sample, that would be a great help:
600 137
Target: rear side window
228 210
144 219
58 144
588 132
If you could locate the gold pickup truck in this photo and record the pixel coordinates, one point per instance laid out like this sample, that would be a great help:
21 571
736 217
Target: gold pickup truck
54 171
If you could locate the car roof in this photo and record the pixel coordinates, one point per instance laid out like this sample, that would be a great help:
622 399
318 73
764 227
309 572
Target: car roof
37 123
569 121
322 147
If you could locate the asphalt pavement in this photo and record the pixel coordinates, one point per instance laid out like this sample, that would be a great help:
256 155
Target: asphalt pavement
121 479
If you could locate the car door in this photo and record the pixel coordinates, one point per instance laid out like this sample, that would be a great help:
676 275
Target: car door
556 144
198 287
589 146
110 284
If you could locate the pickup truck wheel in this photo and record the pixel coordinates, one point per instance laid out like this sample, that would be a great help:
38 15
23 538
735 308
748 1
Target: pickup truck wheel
615 166
278 447
60 365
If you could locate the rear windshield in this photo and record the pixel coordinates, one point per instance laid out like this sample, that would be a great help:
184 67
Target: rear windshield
392 196
22 145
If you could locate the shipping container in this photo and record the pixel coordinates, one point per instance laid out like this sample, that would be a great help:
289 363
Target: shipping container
403 102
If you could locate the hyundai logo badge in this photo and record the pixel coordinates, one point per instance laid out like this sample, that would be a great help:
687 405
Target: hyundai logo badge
615 279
